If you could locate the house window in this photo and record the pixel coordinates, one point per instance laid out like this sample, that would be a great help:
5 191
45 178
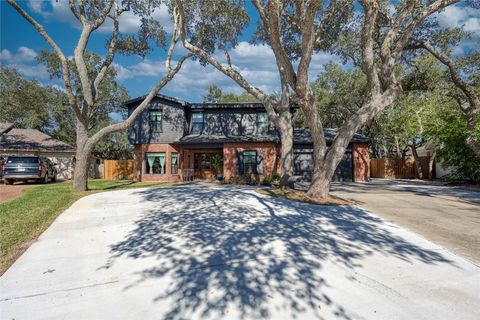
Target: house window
155 117
197 122
174 166
262 122
250 162
155 163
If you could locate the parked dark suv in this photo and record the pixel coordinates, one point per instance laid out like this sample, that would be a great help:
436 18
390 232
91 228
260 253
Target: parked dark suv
24 168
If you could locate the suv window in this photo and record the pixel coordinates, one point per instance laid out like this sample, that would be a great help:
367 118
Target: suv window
23 160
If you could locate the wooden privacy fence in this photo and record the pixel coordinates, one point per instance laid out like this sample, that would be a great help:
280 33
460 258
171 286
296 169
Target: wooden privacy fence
118 169
401 168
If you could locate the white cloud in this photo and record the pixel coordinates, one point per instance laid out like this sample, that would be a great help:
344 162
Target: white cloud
255 62
24 54
456 16
59 10
24 61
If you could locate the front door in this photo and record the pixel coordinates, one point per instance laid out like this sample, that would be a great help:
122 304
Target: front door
202 166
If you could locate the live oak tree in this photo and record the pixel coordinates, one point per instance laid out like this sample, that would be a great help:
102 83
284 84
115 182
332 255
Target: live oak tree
206 26
83 100
295 30
464 73
216 94
33 110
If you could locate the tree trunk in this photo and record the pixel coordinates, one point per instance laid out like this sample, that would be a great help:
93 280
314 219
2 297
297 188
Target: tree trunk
431 161
320 186
474 145
285 129
418 166
80 176
397 145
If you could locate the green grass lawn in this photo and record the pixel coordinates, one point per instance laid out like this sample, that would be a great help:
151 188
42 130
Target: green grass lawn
23 219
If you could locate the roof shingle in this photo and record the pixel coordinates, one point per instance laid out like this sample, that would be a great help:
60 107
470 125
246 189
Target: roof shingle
32 140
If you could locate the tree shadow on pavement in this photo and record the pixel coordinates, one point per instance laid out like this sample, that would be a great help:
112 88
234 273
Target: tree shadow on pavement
230 249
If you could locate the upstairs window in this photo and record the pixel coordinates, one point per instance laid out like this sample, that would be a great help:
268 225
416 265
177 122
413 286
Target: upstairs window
155 117
262 122
250 162
197 122
155 163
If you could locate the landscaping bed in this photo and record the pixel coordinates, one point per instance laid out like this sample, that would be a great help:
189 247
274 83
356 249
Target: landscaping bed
297 195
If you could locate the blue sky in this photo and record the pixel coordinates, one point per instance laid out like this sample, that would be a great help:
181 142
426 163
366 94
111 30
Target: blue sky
20 43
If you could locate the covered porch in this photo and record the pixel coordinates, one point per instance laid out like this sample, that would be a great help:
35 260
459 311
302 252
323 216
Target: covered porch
197 162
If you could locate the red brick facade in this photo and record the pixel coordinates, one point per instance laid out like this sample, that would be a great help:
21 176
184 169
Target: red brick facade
139 160
270 160
269 152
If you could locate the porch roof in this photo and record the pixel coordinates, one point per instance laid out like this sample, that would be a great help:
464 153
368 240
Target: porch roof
208 138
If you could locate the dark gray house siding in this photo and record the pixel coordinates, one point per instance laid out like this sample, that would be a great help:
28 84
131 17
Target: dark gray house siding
223 122
173 123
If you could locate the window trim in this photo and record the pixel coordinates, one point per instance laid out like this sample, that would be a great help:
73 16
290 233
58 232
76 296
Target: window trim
164 166
152 122
194 122
261 122
254 165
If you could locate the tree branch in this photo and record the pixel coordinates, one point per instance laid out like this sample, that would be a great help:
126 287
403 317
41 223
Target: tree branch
63 60
111 50
271 22
129 121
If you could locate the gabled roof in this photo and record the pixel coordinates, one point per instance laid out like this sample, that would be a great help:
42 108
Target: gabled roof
5 127
304 136
158 95
32 140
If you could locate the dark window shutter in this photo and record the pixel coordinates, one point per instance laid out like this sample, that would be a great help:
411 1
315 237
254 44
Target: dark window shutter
260 162
240 168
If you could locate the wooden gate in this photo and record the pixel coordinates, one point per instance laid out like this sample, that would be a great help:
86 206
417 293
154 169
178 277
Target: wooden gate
118 169
401 168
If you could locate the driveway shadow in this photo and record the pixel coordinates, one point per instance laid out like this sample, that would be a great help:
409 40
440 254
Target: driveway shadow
229 248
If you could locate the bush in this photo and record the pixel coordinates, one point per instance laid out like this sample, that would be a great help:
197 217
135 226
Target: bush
275 177
267 180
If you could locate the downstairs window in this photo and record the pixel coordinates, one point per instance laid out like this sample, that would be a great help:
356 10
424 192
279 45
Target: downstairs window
155 163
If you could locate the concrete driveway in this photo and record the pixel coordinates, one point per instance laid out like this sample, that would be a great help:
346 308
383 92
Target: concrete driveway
204 252
449 216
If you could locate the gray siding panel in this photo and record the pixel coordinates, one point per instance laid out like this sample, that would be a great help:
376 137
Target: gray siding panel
173 123
230 122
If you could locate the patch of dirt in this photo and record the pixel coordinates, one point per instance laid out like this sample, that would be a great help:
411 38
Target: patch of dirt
13 191
301 196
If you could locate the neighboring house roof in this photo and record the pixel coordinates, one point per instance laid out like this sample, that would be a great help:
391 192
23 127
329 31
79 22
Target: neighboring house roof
32 140
5 127
304 136
207 138
158 95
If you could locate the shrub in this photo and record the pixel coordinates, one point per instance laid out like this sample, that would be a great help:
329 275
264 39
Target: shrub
267 180
275 177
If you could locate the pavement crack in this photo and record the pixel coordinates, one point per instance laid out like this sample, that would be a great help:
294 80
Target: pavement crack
59 290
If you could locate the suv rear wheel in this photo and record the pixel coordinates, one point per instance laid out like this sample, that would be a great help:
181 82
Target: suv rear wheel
8 181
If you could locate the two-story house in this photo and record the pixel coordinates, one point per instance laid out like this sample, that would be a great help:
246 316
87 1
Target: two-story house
174 139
